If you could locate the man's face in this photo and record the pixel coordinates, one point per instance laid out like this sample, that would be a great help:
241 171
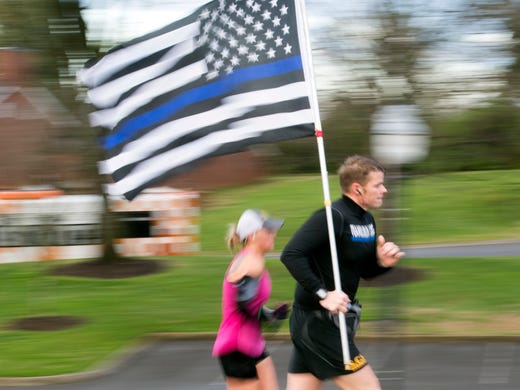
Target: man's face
373 191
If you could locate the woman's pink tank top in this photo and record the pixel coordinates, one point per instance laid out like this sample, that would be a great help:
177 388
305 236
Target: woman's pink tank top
239 331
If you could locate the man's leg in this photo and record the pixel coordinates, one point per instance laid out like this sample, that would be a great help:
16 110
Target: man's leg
364 379
302 382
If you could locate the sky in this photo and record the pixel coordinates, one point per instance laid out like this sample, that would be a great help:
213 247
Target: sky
136 17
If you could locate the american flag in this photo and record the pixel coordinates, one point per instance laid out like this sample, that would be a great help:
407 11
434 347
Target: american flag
226 77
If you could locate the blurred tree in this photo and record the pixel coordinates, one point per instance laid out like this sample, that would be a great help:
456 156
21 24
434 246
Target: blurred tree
52 28
397 49
386 70
55 31
486 135
480 138
513 70
378 66
451 59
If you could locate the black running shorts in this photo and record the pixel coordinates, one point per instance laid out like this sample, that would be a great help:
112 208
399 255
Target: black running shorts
238 365
317 345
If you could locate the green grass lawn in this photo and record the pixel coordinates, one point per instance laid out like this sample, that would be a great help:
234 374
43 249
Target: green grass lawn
469 206
456 296
466 206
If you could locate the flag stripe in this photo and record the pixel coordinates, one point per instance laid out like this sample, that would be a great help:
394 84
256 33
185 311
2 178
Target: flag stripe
156 115
161 164
279 107
116 61
146 93
233 107
205 131
108 94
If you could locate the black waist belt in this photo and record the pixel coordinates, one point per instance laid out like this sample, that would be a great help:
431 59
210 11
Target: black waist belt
352 317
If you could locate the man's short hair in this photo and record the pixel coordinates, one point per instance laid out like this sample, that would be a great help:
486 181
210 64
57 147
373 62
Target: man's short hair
355 169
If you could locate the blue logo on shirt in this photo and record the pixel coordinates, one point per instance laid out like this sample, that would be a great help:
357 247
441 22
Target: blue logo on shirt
363 233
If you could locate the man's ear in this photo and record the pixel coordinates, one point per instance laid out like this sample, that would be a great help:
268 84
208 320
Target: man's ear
357 188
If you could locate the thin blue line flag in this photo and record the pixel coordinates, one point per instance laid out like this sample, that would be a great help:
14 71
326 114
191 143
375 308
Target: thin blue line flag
230 75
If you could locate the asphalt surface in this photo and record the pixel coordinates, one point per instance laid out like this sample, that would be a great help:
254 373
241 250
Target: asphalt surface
480 249
427 364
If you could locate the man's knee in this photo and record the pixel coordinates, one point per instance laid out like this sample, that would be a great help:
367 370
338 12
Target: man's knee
302 382
364 379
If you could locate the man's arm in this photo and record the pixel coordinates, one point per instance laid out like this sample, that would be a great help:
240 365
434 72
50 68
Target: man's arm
297 255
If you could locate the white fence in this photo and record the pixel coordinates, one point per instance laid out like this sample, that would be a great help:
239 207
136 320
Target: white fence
46 225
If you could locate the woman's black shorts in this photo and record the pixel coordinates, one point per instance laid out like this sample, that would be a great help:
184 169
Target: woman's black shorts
317 345
238 365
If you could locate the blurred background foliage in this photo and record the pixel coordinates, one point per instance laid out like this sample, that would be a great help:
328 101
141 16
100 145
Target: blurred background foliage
46 40
55 32
398 53
473 114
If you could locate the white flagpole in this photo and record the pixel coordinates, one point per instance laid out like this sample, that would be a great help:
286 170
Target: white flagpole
305 47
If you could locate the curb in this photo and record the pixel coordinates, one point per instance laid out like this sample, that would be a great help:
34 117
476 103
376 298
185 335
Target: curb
120 358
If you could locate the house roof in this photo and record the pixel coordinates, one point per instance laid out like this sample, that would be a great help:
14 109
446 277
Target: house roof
26 103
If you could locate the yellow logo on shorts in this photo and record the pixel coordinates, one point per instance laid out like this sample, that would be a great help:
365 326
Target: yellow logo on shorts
358 362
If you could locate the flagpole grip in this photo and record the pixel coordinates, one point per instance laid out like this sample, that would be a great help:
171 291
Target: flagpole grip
333 250
306 50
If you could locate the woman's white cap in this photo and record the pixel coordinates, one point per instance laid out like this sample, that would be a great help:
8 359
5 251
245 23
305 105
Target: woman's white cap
253 220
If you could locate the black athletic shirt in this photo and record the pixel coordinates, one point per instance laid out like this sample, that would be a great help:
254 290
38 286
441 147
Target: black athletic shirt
307 254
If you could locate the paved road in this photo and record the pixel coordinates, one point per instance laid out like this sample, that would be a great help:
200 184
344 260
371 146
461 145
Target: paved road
446 365
478 249
484 249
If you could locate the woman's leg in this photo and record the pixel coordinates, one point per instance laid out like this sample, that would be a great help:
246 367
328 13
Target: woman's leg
240 371
267 374
364 379
242 384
